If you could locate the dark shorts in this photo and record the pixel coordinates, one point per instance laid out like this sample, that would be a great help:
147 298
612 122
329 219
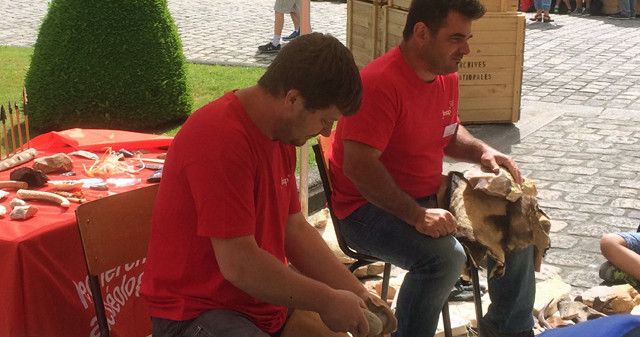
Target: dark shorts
214 323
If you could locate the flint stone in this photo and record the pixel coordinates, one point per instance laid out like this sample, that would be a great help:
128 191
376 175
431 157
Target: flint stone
57 163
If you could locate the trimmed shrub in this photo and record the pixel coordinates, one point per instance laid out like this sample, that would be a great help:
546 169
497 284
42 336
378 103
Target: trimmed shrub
107 64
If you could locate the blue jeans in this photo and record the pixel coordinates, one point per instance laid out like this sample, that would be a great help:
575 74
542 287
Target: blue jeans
627 7
434 266
545 5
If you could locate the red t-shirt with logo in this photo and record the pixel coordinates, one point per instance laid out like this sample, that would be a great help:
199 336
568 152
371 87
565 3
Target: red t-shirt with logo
222 178
409 120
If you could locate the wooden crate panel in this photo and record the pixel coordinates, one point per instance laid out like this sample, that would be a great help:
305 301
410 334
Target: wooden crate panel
500 5
393 23
494 90
480 78
363 28
471 103
479 116
611 7
492 49
401 4
490 5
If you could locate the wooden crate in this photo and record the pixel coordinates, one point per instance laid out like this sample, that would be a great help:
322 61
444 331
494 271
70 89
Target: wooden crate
490 5
364 30
611 7
393 21
491 75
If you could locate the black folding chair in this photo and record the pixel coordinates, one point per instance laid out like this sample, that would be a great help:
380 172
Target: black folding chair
321 149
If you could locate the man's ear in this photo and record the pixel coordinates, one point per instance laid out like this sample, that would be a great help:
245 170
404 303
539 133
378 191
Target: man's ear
292 96
422 33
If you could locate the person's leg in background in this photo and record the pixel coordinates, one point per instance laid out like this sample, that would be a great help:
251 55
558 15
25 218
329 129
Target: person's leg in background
512 297
623 251
538 5
578 9
280 8
587 9
295 18
546 7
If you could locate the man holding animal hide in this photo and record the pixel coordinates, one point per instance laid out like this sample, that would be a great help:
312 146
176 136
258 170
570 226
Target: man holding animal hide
386 168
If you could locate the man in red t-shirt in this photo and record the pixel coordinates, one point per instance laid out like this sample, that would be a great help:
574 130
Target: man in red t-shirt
227 218
386 167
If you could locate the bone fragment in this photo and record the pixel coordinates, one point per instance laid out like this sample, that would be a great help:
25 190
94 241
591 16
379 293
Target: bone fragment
43 196
17 159
23 212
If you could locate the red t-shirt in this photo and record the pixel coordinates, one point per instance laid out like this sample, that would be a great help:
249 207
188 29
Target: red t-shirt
222 178
409 120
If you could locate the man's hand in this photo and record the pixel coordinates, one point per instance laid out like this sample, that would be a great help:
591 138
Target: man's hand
491 160
343 313
436 222
377 306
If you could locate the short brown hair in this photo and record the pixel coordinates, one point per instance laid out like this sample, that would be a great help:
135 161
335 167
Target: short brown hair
321 68
433 13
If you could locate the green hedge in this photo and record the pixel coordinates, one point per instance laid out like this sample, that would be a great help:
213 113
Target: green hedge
107 64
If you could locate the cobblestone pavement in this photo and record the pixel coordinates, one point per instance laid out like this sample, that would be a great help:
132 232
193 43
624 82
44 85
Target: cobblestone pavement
579 136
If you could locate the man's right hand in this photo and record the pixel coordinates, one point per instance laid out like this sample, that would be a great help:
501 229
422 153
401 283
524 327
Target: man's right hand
437 222
343 313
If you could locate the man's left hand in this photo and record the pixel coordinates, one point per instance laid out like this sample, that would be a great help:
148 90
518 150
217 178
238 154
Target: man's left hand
376 305
492 159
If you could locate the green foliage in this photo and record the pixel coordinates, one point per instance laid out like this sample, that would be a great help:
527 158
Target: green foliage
107 64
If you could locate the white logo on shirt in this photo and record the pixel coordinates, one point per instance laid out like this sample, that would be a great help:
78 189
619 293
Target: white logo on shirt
284 182
447 113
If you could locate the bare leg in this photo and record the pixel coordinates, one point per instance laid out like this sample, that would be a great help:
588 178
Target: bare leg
278 24
614 248
295 18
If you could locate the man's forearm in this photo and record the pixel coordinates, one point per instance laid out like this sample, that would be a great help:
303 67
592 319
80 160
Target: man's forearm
261 275
310 255
464 146
363 167
377 186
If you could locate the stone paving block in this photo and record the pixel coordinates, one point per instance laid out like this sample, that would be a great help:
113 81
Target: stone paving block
579 170
591 230
562 241
619 174
555 204
584 277
557 226
567 215
572 187
566 257
601 164
618 221
626 203
630 183
588 198
601 210
565 161
539 167
552 176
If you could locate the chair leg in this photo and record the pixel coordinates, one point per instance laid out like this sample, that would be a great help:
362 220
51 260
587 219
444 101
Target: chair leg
477 295
386 275
446 320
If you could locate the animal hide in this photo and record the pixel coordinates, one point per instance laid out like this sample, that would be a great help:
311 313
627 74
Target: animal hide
495 215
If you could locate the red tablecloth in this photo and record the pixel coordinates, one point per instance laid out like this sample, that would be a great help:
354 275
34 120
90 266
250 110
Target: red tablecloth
43 277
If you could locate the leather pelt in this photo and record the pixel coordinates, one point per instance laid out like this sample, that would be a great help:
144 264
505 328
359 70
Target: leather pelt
495 215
